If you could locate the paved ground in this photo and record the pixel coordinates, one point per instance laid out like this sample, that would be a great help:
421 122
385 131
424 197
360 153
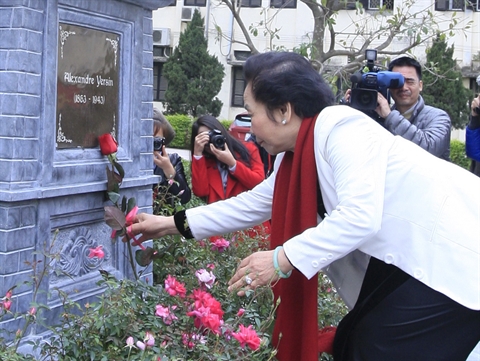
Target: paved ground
184 153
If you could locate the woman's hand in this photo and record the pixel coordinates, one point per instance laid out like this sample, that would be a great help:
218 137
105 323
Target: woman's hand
224 155
201 140
151 227
259 269
162 160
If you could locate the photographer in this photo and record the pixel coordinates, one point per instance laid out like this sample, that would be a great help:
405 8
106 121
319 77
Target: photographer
222 173
223 167
167 166
409 117
472 141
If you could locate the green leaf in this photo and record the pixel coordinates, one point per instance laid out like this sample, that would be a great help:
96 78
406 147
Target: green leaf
113 196
124 204
120 170
131 204
144 257
114 217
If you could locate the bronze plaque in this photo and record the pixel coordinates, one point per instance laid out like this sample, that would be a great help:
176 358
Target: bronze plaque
87 86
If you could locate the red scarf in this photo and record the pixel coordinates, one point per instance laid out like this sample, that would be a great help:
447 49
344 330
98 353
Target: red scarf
294 209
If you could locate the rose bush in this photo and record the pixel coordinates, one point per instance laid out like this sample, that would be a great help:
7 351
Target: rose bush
186 314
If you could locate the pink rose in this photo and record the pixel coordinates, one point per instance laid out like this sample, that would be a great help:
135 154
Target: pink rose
174 288
96 252
205 278
247 337
220 245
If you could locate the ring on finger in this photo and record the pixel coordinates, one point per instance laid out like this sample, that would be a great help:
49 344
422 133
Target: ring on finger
248 280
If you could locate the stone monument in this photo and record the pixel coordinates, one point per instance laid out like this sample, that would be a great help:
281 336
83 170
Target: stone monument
70 70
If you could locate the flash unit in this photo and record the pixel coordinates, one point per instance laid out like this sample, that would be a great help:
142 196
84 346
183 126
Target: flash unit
371 54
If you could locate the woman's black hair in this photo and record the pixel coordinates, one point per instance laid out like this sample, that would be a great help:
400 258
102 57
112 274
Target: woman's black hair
278 78
236 147
160 122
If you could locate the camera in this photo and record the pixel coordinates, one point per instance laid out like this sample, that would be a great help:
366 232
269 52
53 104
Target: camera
158 143
217 139
369 81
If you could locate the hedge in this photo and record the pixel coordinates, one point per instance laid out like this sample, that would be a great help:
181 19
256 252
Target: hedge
458 155
183 129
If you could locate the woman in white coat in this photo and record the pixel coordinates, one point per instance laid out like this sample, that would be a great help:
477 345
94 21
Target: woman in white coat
396 229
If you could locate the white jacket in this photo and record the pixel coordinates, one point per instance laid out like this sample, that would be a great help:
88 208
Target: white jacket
385 197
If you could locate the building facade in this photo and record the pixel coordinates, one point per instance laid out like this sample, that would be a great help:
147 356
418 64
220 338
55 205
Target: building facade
288 24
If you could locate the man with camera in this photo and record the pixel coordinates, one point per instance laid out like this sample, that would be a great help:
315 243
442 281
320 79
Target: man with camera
409 117
472 141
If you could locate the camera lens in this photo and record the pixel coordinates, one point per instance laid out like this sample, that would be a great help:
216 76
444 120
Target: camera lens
218 142
217 139
364 99
158 143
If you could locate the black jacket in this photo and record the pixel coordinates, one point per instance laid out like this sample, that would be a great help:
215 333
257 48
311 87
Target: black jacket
180 181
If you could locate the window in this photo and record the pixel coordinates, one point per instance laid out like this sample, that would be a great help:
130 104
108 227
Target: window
378 4
457 4
473 5
474 86
172 3
238 86
284 4
445 5
251 3
241 55
349 5
195 2
160 84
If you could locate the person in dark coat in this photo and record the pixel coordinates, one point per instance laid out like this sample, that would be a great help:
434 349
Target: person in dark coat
169 167
472 141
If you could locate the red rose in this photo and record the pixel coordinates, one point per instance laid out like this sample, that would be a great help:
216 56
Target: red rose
108 144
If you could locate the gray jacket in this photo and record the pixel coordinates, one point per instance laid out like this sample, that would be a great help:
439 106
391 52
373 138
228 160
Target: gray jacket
428 127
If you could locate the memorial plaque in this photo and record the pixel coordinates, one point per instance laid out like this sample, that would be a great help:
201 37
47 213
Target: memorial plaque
87 86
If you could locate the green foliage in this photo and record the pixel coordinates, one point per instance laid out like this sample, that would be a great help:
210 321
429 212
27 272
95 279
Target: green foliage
458 155
442 86
126 309
194 76
226 123
183 130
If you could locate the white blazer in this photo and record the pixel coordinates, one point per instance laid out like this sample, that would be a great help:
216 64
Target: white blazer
385 197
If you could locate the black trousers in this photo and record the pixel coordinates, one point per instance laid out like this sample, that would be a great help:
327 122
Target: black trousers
398 318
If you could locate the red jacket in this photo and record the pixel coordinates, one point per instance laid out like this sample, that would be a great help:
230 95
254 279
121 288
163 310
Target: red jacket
207 181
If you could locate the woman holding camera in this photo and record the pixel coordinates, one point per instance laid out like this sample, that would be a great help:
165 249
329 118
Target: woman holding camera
222 166
394 227
168 166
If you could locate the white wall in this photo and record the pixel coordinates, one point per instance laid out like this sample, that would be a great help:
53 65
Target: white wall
295 26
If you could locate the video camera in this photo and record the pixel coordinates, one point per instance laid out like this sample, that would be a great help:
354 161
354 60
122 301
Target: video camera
369 81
